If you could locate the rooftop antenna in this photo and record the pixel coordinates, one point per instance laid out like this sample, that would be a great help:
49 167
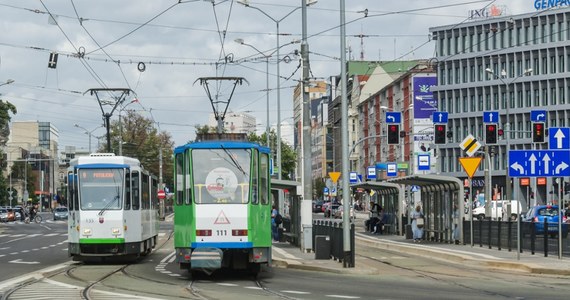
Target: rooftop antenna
114 103
220 116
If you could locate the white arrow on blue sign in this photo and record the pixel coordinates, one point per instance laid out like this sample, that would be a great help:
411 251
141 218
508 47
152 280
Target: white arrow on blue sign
490 117
440 117
539 163
538 115
559 138
393 117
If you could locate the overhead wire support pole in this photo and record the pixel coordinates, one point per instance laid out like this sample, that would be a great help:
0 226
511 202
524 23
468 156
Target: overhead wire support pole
348 261
306 212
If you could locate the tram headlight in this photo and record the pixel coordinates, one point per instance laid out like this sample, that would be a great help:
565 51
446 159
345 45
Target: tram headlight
87 231
116 231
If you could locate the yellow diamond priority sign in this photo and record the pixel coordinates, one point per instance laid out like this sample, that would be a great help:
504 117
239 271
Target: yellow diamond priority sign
334 176
470 164
470 145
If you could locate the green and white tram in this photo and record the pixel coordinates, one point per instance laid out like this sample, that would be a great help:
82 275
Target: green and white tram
113 207
222 209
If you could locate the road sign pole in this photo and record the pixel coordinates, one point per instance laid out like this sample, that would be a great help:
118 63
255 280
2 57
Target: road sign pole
471 210
488 197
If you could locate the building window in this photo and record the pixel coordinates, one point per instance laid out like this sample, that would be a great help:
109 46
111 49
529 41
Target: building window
544 65
442 76
465 106
450 104
503 100
561 95
528 98
553 64
488 102
553 96
552 33
561 64
480 102
536 67
472 98
457 105
536 97
495 101
544 97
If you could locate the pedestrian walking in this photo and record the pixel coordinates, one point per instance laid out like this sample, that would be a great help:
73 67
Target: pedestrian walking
455 224
417 224
274 225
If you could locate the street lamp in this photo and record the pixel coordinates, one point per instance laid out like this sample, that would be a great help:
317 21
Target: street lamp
9 81
277 21
89 133
241 42
267 56
503 75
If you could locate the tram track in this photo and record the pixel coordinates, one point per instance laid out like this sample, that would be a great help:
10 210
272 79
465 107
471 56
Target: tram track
200 294
84 285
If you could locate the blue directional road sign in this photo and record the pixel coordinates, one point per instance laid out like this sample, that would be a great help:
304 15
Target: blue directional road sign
391 169
538 115
559 138
393 117
325 190
490 117
543 163
439 117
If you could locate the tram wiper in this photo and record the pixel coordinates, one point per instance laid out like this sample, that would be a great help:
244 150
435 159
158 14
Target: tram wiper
108 205
234 161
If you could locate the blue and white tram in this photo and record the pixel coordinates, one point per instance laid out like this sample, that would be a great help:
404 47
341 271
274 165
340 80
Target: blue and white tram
113 207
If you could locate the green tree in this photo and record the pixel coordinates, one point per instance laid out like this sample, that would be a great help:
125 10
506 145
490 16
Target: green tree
7 109
288 155
142 140
23 171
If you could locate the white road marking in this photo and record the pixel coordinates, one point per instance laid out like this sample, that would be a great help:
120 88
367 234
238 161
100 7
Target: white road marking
226 284
20 261
342 296
295 292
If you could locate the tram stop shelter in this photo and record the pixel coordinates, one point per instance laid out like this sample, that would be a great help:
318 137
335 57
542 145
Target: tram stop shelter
288 203
391 197
437 196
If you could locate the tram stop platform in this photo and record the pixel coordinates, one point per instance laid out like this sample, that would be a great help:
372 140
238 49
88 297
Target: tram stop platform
288 256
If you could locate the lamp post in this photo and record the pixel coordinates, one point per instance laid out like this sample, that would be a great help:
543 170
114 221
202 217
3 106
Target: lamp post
267 56
89 133
241 42
277 21
508 191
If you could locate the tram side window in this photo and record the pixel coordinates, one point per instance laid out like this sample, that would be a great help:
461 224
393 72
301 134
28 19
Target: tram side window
264 179
154 193
135 179
254 181
188 176
71 189
145 191
179 178
128 194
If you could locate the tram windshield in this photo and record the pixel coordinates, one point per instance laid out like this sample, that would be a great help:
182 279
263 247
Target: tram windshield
221 175
100 189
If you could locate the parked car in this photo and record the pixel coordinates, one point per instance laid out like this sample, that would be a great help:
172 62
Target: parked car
60 213
499 210
317 206
8 215
330 208
3 215
550 213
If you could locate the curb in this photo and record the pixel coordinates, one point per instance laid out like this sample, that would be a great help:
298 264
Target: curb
296 265
448 256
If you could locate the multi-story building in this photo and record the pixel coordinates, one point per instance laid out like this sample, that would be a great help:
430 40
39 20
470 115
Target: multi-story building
510 64
235 122
402 87
35 143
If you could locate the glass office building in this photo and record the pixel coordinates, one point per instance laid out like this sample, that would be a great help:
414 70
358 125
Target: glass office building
510 64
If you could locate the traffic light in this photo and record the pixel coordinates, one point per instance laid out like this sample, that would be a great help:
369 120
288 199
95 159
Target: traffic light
538 132
393 134
491 134
440 134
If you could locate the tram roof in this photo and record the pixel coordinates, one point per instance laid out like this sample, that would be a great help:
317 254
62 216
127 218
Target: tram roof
382 187
431 182
227 144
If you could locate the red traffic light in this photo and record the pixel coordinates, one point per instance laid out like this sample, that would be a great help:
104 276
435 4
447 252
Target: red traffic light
491 128
500 132
393 128
440 128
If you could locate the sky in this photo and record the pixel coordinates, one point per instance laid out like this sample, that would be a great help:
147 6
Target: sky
160 49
